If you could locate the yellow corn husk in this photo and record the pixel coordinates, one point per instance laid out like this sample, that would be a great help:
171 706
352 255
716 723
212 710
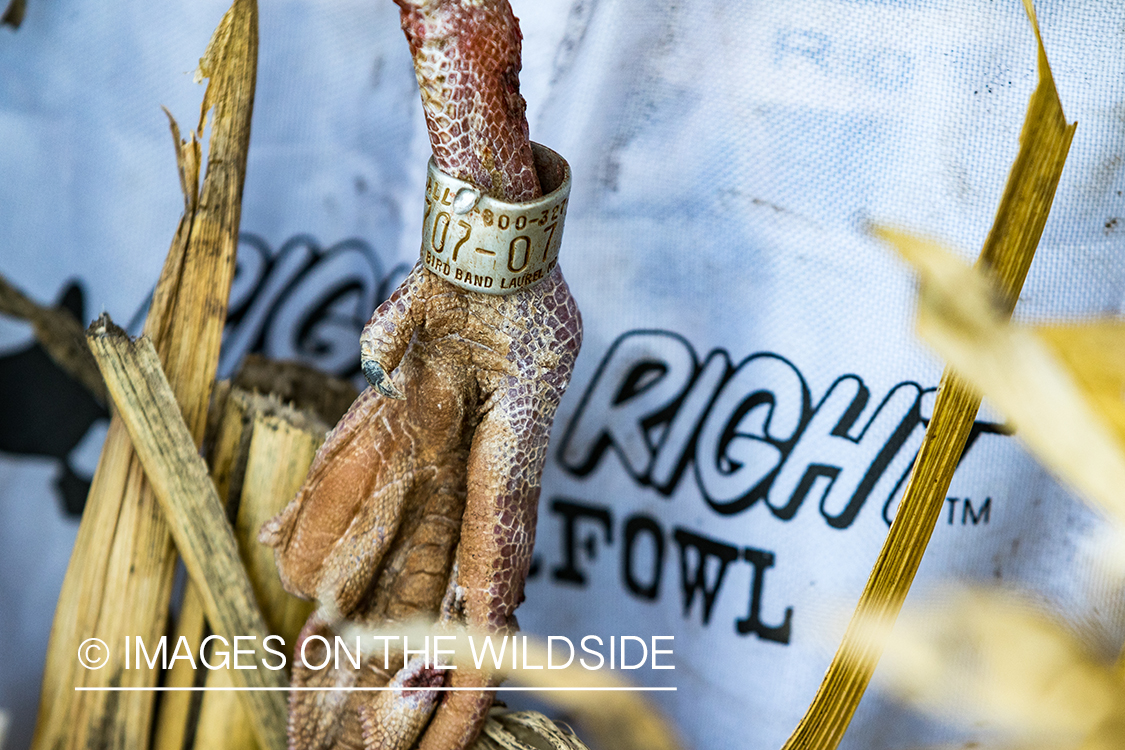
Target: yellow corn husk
1058 386
59 333
989 660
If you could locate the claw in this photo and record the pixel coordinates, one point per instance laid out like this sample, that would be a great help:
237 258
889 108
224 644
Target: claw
379 379
394 719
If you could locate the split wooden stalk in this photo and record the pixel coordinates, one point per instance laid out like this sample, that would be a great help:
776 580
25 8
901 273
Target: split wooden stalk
317 401
119 580
1007 254
282 444
197 521
178 710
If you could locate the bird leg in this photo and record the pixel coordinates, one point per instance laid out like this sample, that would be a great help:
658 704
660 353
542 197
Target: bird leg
439 462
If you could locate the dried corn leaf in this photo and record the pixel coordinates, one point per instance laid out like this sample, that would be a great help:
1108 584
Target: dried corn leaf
1094 353
986 659
1007 253
59 333
1060 387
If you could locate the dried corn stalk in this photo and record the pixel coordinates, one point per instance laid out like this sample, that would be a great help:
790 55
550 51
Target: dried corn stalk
120 576
524 730
277 455
1006 257
195 515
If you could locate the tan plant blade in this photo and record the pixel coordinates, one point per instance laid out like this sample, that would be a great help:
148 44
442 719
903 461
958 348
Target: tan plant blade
1007 253
120 577
59 333
1094 353
196 518
987 659
1057 386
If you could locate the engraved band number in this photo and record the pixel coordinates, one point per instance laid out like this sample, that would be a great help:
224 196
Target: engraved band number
525 241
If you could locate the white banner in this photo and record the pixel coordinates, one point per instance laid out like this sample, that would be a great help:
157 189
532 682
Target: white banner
750 394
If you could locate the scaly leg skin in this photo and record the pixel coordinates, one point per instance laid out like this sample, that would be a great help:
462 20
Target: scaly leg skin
442 457
389 720
394 720
467 61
